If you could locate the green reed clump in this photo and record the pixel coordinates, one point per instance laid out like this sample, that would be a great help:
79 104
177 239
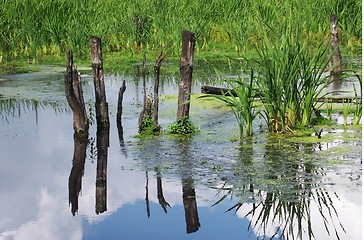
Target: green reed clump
290 76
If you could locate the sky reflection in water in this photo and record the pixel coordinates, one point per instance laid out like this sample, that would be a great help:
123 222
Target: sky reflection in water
36 151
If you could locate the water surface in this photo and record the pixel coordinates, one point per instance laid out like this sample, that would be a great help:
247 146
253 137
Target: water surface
206 186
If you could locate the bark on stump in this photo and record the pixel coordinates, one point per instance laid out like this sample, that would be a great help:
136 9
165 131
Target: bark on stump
74 95
186 69
102 115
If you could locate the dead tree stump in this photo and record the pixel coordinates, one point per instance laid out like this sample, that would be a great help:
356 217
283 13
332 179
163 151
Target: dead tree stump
74 95
102 115
120 113
147 103
120 103
186 68
336 58
157 67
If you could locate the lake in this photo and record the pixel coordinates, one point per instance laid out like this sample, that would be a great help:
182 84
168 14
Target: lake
205 186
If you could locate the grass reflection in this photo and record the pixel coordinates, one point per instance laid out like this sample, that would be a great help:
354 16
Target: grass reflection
283 190
14 108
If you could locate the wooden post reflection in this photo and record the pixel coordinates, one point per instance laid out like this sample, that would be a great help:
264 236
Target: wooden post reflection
161 199
147 194
102 144
190 205
77 171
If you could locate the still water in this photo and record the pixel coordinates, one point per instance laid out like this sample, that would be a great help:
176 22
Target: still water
206 186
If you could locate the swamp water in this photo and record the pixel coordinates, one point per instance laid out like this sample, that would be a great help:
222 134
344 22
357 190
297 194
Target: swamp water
205 186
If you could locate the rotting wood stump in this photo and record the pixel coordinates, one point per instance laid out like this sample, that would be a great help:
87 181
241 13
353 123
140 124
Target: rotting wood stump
334 33
120 113
336 57
74 95
157 67
101 106
120 103
186 69
326 99
147 107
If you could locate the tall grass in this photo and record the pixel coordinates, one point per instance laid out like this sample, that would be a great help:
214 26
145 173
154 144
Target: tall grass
33 29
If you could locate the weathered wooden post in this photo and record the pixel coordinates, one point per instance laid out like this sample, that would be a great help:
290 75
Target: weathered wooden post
74 95
147 104
186 68
120 113
120 103
102 115
336 58
144 76
157 67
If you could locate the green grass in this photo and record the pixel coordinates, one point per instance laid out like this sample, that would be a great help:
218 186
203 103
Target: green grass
33 30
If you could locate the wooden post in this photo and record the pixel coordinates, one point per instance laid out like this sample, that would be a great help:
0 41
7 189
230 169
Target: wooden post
120 103
74 95
157 67
102 115
144 75
186 68
336 58
120 113
147 104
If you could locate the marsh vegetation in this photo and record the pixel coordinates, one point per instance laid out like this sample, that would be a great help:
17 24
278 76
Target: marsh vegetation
39 31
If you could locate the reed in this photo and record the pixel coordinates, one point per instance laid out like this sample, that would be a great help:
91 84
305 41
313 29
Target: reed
346 111
290 74
358 107
243 106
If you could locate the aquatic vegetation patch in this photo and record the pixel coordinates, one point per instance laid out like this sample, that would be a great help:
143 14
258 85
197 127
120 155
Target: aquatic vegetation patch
182 126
